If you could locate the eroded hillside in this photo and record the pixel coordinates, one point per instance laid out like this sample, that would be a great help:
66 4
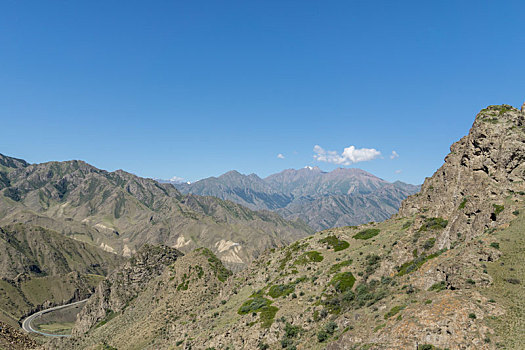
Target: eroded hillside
119 212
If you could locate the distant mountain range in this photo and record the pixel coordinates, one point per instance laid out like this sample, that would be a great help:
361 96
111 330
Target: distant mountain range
119 212
321 199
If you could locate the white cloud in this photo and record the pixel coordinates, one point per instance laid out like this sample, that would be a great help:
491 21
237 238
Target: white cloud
280 156
349 156
177 179
394 155
398 171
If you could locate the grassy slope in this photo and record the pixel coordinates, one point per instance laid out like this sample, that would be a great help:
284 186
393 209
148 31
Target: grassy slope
510 327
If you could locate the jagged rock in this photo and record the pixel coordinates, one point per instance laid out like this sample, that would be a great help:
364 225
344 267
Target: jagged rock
480 170
125 283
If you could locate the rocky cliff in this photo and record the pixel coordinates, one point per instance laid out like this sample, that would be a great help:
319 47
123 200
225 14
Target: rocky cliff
115 292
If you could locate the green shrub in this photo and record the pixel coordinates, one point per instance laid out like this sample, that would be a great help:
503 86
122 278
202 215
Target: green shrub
253 305
429 243
263 346
426 347
343 281
279 290
215 264
498 208
367 234
308 257
322 336
336 243
495 245
415 264
437 287
337 267
267 316
463 203
433 224
291 331
330 327
407 225
393 311
472 316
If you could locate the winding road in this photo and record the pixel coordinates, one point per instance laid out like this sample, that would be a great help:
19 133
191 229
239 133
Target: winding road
26 324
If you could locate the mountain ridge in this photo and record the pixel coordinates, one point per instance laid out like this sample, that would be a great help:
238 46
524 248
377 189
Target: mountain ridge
119 211
301 193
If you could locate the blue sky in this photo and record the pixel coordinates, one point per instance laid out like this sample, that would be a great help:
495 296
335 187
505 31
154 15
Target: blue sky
197 88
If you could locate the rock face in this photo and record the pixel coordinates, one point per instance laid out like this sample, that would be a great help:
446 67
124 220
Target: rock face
481 170
115 292
321 199
13 339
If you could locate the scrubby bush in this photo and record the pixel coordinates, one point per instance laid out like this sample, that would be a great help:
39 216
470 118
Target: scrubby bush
367 234
335 243
433 224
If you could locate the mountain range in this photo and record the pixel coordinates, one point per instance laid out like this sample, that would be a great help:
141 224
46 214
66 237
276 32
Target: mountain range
342 197
119 212
445 272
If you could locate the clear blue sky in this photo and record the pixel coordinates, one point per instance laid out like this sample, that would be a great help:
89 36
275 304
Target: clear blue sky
197 88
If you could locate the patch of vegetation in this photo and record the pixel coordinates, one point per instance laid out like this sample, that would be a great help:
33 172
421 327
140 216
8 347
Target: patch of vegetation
498 209
407 225
367 234
280 290
337 267
335 243
308 257
415 264
495 245
438 287
110 314
287 257
343 281
393 311
262 306
463 203
255 304
328 330
381 326
268 315
215 264
426 347
373 262
184 283
433 224
429 243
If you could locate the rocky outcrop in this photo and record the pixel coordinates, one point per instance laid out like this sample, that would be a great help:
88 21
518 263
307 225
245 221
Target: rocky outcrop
115 292
481 170
13 339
